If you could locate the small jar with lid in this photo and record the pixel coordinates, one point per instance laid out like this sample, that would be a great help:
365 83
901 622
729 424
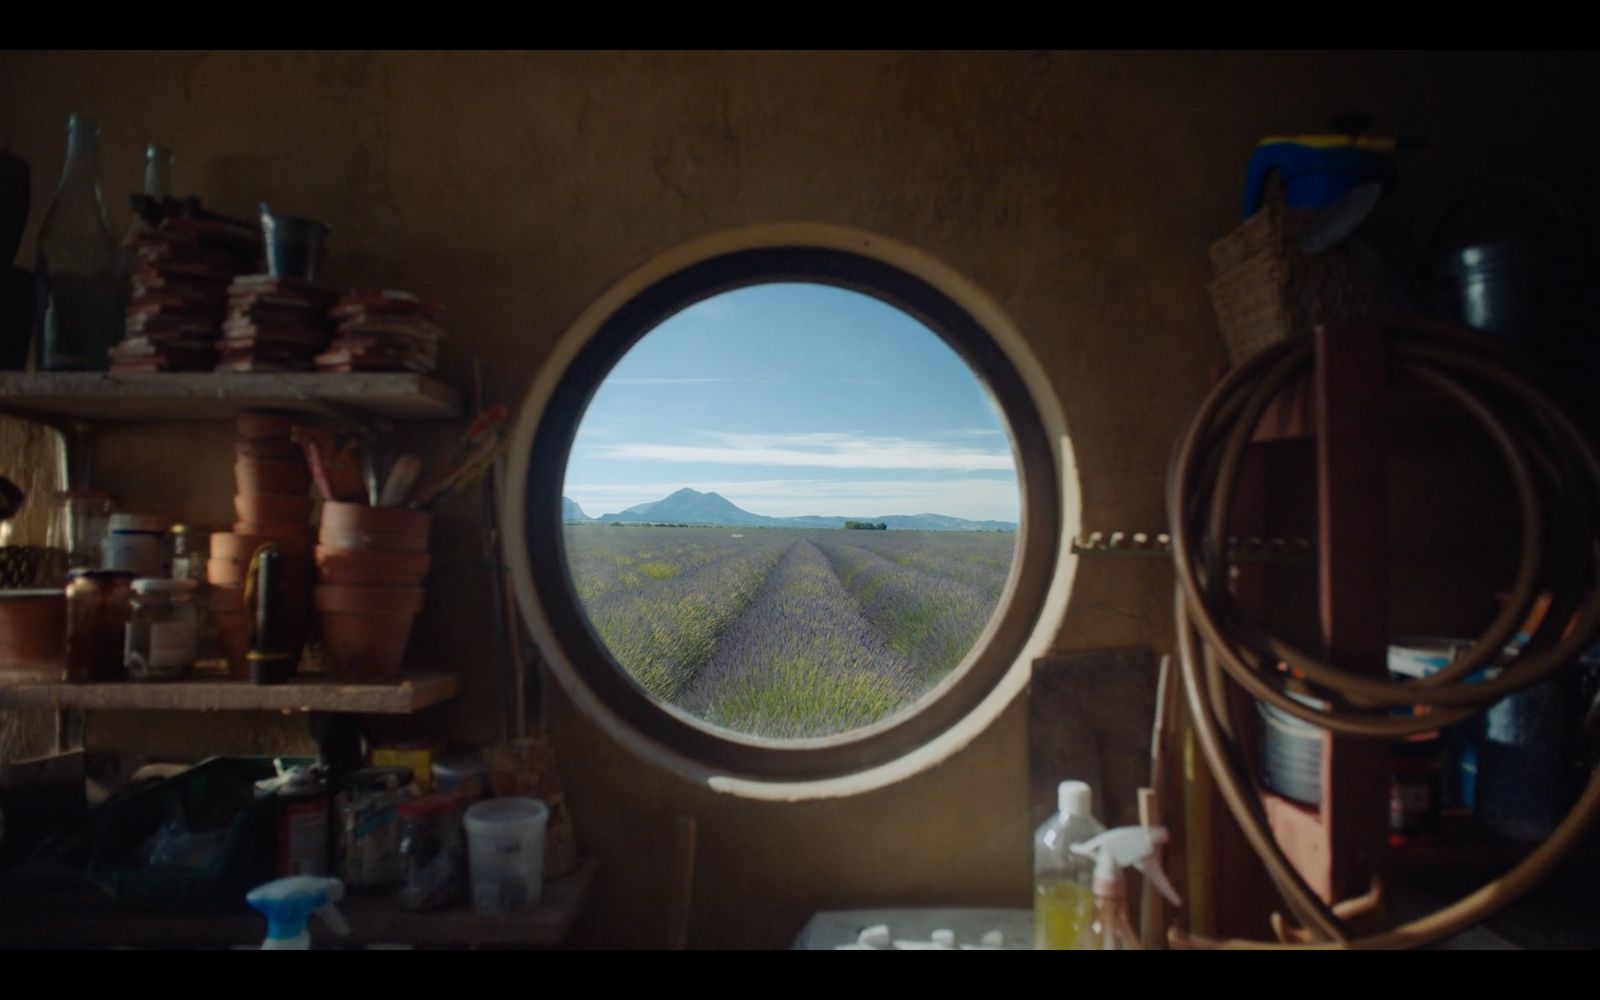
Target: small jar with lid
462 775
163 629
136 543
99 603
189 551
433 853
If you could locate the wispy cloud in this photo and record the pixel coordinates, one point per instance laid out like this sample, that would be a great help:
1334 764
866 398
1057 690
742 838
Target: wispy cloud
648 380
817 450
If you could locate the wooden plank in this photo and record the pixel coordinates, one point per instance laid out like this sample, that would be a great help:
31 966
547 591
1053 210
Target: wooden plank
220 395
1089 718
411 694
681 901
73 914
1353 569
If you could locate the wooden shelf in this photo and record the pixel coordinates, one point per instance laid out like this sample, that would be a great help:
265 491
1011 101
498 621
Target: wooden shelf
221 395
68 912
413 693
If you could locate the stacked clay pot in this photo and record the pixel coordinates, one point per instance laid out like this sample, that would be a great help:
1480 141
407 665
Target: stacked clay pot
272 504
370 565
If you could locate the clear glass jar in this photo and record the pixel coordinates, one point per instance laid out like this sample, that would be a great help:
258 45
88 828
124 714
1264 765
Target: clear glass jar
77 306
78 527
163 629
369 827
433 853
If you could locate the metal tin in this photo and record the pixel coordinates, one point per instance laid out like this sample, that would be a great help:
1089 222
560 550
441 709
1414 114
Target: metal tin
301 821
369 827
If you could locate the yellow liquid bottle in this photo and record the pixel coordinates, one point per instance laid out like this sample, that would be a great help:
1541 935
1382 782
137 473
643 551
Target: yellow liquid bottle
1063 894
1061 908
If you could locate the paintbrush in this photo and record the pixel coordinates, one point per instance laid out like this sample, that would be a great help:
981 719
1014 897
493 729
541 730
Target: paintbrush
402 476
482 432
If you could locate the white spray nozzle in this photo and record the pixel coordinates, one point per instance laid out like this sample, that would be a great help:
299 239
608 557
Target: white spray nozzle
1127 847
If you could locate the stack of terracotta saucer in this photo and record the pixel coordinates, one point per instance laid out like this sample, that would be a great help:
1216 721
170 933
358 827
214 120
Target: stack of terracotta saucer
273 504
181 273
274 324
384 331
370 566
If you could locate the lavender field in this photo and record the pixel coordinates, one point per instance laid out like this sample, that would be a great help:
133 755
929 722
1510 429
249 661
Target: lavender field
787 633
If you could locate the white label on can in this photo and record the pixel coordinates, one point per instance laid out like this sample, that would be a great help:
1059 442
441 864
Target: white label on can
303 848
171 644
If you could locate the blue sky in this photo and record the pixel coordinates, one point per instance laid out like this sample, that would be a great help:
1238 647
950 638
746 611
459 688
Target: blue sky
792 399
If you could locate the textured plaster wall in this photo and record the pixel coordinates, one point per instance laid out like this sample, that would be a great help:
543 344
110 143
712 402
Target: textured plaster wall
1079 190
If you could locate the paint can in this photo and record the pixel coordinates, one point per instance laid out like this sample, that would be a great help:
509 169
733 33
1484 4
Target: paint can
300 820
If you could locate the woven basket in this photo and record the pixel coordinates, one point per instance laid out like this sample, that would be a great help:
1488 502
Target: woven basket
1266 290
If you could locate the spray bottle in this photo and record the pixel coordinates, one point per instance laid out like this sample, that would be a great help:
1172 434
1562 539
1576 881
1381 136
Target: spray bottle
288 903
1112 851
1062 880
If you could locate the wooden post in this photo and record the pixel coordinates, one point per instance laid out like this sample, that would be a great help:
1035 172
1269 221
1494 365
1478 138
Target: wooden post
1353 569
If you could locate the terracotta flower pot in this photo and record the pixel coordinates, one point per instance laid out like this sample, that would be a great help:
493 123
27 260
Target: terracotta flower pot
363 599
276 531
225 572
274 508
234 545
372 541
33 634
357 526
271 449
272 476
264 425
371 566
233 629
368 647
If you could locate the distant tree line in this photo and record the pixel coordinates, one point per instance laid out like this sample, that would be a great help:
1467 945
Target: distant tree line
866 526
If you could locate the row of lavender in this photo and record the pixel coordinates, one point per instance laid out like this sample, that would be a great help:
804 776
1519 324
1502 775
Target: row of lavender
787 633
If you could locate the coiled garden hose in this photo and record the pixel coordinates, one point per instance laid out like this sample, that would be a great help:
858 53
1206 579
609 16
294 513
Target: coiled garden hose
1557 484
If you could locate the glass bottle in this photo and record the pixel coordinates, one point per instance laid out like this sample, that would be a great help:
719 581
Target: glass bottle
157 171
157 186
76 309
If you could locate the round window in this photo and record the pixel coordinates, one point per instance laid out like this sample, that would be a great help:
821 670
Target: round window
789 512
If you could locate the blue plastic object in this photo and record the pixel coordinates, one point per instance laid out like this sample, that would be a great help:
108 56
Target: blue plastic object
1316 170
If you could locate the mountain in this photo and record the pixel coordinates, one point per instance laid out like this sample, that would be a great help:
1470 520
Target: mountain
688 506
570 511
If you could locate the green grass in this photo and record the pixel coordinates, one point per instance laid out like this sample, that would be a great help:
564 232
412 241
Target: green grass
657 570
796 697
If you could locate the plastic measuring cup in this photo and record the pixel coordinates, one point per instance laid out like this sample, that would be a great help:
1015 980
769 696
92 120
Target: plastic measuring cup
505 852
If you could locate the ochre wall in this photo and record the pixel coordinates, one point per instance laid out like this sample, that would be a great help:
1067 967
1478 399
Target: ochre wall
1079 190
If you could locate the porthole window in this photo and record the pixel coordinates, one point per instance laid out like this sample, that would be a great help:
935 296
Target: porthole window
789 512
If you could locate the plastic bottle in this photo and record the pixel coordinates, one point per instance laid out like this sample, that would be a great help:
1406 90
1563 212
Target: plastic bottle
288 903
1109 928
1063 896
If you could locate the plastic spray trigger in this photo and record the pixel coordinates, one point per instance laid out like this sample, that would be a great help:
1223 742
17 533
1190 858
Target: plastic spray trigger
287 903
1130 846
